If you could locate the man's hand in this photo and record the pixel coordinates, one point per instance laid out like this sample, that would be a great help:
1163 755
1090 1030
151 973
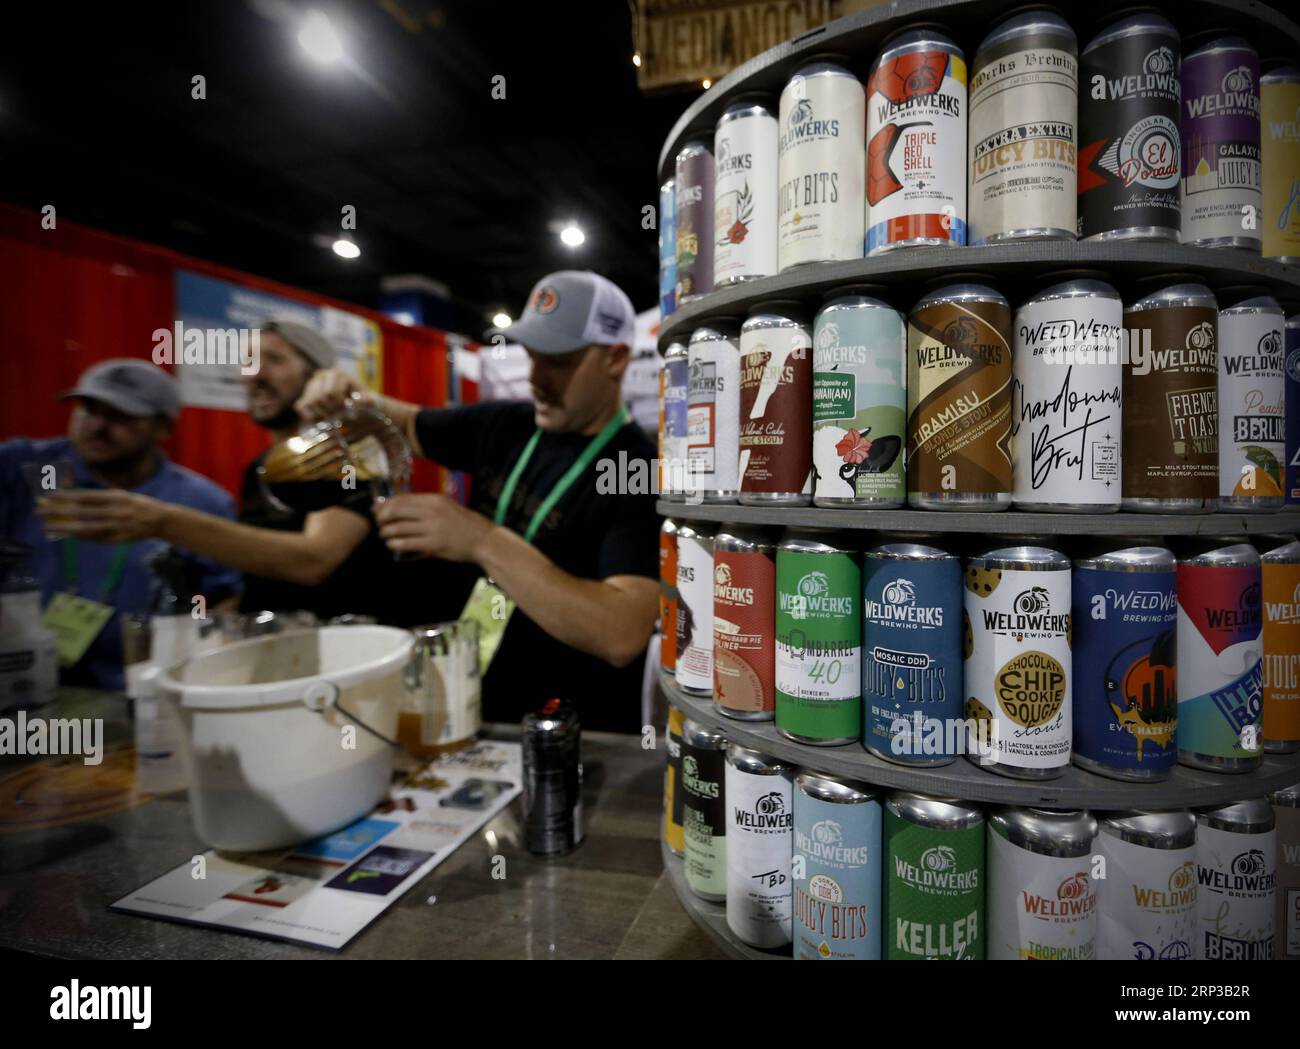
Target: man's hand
111 515
327 392
431 526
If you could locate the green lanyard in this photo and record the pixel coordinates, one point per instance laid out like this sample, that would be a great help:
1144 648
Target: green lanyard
112 578
566 482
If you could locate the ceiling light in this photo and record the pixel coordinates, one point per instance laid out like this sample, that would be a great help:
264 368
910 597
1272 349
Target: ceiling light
707 84
636 60
501 320
572 235
318 38
346 249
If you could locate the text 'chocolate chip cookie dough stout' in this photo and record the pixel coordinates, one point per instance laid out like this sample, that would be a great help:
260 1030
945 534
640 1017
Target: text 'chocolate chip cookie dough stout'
1252 423
776 375
1286 910
916 142
859 401
744 625
818 640
668 595
821 149
1066 416
1130 163
1147 900
694 200
1024 88
760 838
704 810
959 399
836 867
694 649
1279 100
1280 573
713 414
1171 415
1041 899
1236 878
934 879
744 192
1220 694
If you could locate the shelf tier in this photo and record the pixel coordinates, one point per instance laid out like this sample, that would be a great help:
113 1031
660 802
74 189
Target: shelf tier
1075 789
859 36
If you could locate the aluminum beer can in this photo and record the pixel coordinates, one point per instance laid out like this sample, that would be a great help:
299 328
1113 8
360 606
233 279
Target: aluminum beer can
760 840
1147 901
676 387
1024 103
1130 162
668 247
1252 396
744 625
934 880
744 192
552 767
1286 919
704 810
1220 653
1171 415
1066 413
673 794
836 867
1291 374
1219 132
1018 665
668 595
694 214
1042 900
818 640
822 159
776 376
959 400
1280 679
916 142
1279 103
713 414
1125 663
859 402
694 670
912 654
1236 877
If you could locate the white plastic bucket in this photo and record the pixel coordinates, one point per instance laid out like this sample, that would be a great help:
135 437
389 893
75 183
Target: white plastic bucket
270 764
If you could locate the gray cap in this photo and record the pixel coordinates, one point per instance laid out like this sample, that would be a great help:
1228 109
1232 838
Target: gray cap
307 341
571 309
133 387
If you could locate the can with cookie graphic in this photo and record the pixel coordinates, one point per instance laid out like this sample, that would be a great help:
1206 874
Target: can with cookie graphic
744 625
1147 901
1236 882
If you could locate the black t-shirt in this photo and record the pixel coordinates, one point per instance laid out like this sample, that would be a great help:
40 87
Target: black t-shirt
588 533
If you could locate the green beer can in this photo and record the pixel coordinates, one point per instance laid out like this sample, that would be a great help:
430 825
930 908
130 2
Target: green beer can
934 885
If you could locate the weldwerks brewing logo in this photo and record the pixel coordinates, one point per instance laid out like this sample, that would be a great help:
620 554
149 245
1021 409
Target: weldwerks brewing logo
1285 130
1074 900
898 606
692 782
958 345
1031 616
813 599
824 842
724 591
801 124
768 816
1235 97
1248 875
937 874
1178 894
1283 613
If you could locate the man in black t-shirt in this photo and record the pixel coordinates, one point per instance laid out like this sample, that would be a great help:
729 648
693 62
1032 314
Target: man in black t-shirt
548 521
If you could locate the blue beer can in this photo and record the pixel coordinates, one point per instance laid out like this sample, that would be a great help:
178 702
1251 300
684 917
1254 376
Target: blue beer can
667 248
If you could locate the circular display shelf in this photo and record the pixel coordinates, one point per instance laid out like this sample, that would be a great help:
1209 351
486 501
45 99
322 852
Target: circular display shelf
1074 789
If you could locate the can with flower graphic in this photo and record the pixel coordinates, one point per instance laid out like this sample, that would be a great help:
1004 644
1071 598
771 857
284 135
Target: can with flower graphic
859 401
744 192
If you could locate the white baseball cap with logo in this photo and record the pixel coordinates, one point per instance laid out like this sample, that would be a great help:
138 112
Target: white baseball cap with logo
572 309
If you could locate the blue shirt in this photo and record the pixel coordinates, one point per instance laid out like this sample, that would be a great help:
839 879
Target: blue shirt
101 666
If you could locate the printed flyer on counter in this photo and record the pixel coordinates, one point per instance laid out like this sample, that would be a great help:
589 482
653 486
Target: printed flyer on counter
323 892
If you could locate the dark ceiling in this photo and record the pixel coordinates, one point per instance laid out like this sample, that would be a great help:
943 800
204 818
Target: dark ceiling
96 116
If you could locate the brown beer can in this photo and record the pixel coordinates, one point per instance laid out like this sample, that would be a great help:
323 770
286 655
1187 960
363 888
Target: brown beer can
776 418
744 625
668 595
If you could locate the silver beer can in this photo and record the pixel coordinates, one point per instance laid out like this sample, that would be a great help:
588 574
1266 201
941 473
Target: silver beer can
760 840
744 192
713 414
1236 879
1147 900
694 670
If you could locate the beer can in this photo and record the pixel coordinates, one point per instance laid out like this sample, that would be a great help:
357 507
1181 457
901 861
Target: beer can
1147 900
1252 423
1279 104
1236 877
694 214
818 640
1024 105
1125 663
676 387
836 867
713 414
668 595
1130 162
1286 912
959 400
668 247
694 670
1042 901
859 402
1219 658
1280 678
822 159
704 810
934 880
552 767
744 625
1291 373
1171 415
912 654
1018 666
916 142
775 440
673 794
1219 132
744 192
1066 399
760 840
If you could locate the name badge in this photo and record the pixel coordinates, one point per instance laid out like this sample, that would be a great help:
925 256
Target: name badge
76 622
491 610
